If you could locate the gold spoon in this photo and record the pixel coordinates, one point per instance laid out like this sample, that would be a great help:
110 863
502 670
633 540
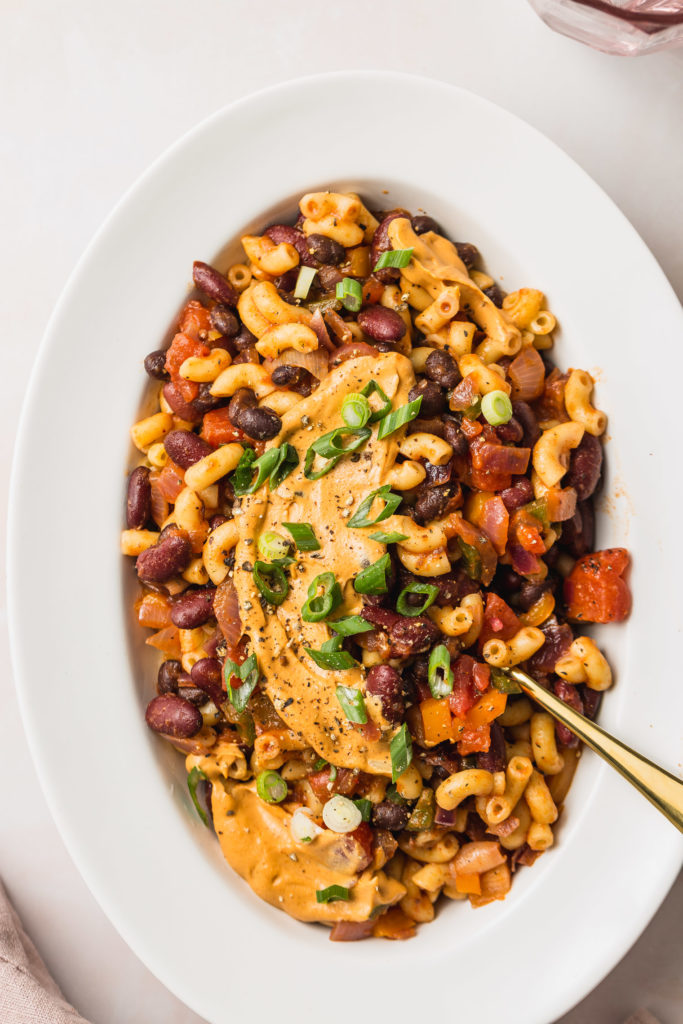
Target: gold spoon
660 787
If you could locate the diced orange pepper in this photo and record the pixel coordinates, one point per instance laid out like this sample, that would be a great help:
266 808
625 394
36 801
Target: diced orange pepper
436 718
487 708
394 925
166 640
154 611
469 884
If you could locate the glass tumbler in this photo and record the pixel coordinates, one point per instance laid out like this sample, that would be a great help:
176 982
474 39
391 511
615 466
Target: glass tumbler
624 27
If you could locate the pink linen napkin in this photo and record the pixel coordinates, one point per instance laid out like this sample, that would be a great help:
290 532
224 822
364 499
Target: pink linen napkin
28 995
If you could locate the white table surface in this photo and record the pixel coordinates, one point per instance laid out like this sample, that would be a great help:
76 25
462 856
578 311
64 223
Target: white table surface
90 93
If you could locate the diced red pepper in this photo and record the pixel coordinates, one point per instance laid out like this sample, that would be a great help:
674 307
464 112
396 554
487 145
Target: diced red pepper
500 621
594 591
193 319
464 692
473 741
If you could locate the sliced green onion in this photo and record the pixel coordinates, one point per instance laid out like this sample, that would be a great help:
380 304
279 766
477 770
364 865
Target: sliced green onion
365 807
330 655
330 447
303 536
242 477
333 772
397 258
376 414
428 589
351 625
304 282
264 466
388 538
287 462
503 682
271 787
496 407
332 893
248 673
273 546
539 510
439 673
276 591
471 558
472 412
423 812
319 606
373 579
246 728
193 778
355 410
360 517
401 751
320 763
352 704
399 417
350 294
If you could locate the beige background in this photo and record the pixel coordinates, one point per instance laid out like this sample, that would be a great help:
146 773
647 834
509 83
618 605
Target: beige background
90 93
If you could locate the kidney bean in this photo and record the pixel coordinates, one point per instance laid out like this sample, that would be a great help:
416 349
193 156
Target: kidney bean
287 282
244 339
442 368
530 593
139 498
326 250
169 556
207 675
422 223
412 636
186 448
585 467
381 243
570 695
512 431
495 295
260 423
294 378
193 608
578 533
168 675
475 829
591 701
173 716
213 284
433 398
520 493
493 759
224 320
525 415
382 324
155 365
329 277
431 503
558 639
468 253
389 815
455 437
186 410
385 682
216 521
279 233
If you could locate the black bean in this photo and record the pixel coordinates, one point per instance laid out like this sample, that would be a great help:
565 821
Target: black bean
224 320
167 676
468 253
431 503
294 378
287 282
326 250
139 498
433 398
205 401
155 365
389 815
193 694
442 368
260 423
329 277
525 415
495 295
244 338
244 398
530 593
512 431
422 223
455 437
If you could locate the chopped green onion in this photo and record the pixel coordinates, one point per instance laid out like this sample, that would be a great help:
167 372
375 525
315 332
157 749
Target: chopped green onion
350 294
503 682
376 414
287 462
399 417
330 655
333 772
428 589
355 410
330 447
242 477
496 407
303 536
193 779
320 763
472 412
331 893
388 538
360 517
423 812
248 673
365 807
271 787
352 704
351 625
401 751
471 558
373 579
304 282
273 546
439 673
247 728
273 594
397 258
319 606
276 463
539 510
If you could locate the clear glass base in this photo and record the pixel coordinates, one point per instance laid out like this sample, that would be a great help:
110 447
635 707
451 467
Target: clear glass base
620 27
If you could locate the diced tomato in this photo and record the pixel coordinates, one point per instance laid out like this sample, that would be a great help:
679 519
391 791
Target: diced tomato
217 428
171 481
345 782
500 621
183 347
474 741
193 319
481 674
464 691
470 428
594 591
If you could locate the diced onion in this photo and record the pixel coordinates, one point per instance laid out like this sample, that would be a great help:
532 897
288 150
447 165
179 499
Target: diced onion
527 375
341 814
303 828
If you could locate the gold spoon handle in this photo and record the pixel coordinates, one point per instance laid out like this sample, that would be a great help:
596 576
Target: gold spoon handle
660 787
